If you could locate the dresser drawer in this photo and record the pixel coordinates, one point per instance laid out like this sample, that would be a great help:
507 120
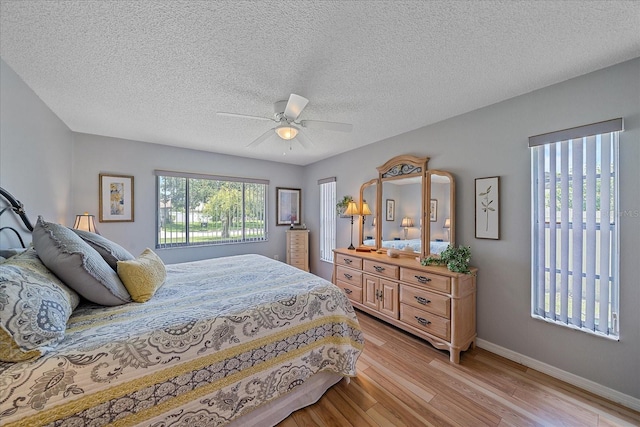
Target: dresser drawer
425 300
425 321
349 275
422 278
352 262
298 238
381 268
354 293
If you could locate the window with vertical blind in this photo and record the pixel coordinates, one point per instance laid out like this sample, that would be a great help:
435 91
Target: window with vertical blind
327 218
196 209
575 263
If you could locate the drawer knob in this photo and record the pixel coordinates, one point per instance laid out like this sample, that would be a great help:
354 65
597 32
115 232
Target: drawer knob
422 321
347 261
422 300
422 279
347 291
348 276
378 268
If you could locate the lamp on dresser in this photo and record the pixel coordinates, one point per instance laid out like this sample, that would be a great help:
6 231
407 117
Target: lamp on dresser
352 209
406 223
365 211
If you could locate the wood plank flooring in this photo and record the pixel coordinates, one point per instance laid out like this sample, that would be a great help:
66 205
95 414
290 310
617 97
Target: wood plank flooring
404 381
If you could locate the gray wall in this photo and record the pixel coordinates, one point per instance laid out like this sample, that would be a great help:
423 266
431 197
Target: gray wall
97 154
35 155
493 141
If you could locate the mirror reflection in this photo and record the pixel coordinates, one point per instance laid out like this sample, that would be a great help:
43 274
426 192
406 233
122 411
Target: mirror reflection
401 214
441 214
368 196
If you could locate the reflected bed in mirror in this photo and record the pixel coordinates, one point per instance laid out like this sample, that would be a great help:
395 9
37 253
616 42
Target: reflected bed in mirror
435 247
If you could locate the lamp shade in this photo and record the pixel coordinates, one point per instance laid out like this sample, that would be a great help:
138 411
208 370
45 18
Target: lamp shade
287 131
86 222
365 209
447 223
352 209
406 222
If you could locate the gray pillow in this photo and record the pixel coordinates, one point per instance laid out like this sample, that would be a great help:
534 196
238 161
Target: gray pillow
77 264
34 308
108 250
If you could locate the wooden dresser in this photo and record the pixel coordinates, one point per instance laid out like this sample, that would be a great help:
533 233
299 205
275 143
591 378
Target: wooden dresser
298 249
432 302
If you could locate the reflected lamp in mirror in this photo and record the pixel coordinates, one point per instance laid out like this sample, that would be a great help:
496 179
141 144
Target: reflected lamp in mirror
86 222
406 223
447 226
365 211
352 209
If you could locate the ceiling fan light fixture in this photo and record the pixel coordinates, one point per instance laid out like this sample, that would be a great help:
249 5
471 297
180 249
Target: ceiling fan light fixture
286 131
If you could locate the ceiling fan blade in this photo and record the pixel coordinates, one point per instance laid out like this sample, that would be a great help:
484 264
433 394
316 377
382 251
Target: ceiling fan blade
261 138
294 107
303 140
243 116
318 124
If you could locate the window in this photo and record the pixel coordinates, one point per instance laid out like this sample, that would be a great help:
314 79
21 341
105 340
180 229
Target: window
575 260
327 218
208 210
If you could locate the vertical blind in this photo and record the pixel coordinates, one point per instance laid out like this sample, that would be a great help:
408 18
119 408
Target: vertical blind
575 280
327 218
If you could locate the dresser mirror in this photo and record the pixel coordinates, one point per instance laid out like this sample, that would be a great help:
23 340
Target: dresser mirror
410 206
441 210
368 221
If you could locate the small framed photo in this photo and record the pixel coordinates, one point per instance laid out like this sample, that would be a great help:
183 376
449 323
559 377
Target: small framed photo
391 210
487 206
116 198
433 210
288 206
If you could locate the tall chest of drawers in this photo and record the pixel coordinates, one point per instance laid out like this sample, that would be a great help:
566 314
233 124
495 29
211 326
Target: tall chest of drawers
431 302
298 249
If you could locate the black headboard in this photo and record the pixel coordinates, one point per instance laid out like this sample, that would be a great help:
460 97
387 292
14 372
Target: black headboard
17 208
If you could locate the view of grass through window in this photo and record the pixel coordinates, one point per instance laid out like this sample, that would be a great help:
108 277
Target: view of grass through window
204 211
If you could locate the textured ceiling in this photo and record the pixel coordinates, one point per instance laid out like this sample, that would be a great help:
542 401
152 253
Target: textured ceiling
158 71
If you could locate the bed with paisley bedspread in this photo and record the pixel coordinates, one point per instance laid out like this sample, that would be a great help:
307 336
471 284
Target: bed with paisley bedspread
222 341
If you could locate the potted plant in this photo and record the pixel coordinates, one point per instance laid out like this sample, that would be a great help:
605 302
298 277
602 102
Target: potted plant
456 259
341 206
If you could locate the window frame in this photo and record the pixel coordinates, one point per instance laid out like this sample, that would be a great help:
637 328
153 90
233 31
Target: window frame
222 179
328 219
550 152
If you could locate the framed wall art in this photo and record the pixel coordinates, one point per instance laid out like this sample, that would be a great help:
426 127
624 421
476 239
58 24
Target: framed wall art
433 210
288 206
116 198
391 210
487 206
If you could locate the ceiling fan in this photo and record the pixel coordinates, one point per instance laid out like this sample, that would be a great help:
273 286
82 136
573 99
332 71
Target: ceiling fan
286 114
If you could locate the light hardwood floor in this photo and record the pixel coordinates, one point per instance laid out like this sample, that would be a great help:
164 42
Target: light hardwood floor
404 381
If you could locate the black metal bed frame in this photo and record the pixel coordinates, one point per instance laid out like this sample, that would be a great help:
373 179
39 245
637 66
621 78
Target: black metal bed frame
17 208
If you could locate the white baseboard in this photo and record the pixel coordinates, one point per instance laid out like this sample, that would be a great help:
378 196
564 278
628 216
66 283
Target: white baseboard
583 383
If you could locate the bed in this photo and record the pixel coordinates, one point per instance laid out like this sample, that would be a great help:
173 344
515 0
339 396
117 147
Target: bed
435 247
242 340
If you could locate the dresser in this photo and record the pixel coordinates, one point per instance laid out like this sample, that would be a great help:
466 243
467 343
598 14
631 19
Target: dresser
431 302
298 249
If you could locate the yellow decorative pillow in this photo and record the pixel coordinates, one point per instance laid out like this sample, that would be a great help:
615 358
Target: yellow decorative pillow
142 276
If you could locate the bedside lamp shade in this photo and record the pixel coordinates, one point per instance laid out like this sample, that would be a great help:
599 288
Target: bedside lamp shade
86 222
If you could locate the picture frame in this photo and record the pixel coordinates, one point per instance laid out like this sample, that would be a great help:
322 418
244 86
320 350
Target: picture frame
433 210
116 198
391 210
288 206
487 208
